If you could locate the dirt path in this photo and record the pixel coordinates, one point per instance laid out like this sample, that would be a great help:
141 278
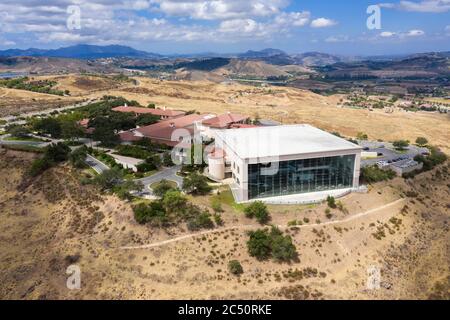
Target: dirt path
188 236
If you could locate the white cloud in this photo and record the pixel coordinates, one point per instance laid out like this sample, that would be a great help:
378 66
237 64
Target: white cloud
296 19
387 34
336 39
220 9
436 6
415 33
322 23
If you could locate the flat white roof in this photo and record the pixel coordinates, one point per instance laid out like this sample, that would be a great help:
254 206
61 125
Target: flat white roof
285 140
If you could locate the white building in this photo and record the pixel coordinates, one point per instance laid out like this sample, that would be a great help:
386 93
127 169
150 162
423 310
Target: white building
285 162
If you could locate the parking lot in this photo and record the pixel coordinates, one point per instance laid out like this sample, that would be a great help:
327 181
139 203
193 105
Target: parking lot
387 153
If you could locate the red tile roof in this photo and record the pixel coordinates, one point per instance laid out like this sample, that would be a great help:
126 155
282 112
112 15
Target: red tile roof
224 120
161 132
156 112
128 136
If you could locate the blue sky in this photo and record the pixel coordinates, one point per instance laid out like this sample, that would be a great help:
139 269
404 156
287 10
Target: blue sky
190 26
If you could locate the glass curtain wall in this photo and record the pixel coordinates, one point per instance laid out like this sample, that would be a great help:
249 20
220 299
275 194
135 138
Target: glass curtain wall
301 176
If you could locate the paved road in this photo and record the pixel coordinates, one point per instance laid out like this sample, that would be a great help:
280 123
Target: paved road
96 164
13 119
167 174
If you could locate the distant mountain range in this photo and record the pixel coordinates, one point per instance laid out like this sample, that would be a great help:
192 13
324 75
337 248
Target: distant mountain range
82 51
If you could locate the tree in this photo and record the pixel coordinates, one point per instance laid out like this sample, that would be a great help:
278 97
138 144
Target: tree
49 126
123 189
53 154
153 213
167 160
259 244
71 130
196 184
421 141
362 136
57 152
257 210
400 144
282 247
154 160
235 267
78 157
105 133
146 119
162 188
109 178
174 201
151 106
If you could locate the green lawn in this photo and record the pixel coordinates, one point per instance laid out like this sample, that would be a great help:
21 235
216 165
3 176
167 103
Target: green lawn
28 139
226 197
18 147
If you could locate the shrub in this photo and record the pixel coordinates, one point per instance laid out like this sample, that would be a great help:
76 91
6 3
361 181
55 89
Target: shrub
401 144
362 136
40 165
331 202
201 221
372 174
264 244
145 167
218 220
216 205
259 244
133 151
257 210
174 201
162 188
235 267
421 141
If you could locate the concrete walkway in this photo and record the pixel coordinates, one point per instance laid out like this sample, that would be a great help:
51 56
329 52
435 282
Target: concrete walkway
246 227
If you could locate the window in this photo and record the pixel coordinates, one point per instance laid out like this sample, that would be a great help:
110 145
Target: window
238 170
301 176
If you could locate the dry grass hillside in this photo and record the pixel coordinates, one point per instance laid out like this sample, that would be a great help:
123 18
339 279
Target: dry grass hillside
16 102
289 105
53 221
